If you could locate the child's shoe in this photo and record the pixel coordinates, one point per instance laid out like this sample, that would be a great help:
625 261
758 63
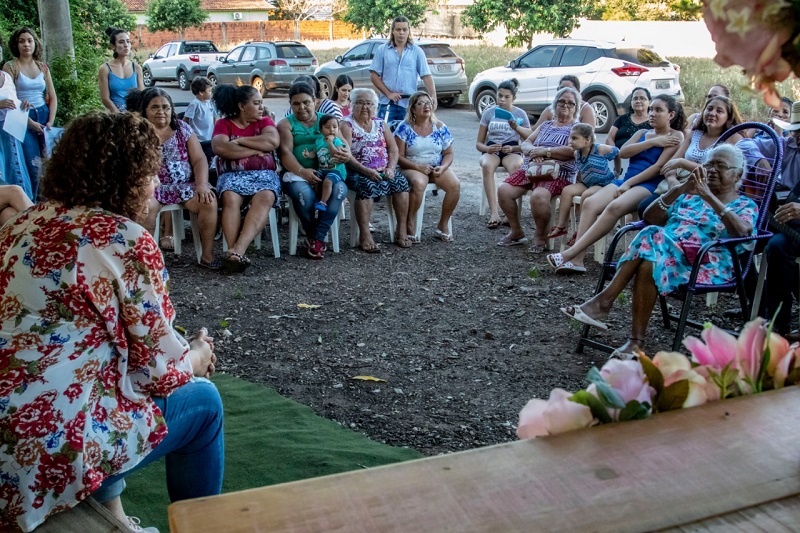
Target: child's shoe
321 206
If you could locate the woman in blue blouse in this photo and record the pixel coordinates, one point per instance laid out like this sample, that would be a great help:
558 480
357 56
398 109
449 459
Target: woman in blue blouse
118 76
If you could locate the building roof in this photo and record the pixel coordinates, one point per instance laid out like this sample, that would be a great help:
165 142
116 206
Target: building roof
139 6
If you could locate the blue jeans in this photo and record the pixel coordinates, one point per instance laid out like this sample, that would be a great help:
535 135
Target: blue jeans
194 447
301 193
396 112
781 278
32 147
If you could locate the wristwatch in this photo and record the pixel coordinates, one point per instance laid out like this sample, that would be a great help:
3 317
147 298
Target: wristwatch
548 153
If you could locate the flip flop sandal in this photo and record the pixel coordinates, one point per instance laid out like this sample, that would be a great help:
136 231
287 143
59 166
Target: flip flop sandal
510 241
494 224
413 239
235 263
374 249
555 260
575 313
556 231
403 243
167 243
571 241
538 248
623 356
568 268
216 264
442 236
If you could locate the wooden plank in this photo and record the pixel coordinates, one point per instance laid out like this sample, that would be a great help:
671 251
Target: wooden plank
781 516
670 470
86 517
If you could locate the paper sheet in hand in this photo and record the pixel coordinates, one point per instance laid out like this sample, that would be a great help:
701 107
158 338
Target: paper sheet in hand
51 138
16 123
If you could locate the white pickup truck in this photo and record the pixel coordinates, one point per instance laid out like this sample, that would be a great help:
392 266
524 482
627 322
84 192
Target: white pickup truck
180 61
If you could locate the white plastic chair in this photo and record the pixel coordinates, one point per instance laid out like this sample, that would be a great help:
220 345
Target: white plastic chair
484 198
420 212
294 230
273 228
177 229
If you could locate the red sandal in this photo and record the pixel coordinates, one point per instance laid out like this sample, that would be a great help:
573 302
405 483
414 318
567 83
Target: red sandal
556 231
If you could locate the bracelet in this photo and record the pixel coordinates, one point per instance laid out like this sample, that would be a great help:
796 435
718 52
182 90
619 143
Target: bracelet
725 211
662 204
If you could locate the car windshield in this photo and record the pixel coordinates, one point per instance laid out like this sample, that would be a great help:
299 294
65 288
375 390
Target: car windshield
293 50
199 48
642 56
438 50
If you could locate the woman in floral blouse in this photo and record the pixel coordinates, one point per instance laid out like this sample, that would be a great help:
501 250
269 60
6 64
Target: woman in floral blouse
706 207
183 173
426 153
89 362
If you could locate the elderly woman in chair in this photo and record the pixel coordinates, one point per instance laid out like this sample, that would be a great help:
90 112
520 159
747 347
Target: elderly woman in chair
706 207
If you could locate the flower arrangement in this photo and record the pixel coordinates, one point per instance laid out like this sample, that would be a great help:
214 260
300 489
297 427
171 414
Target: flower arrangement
762 36
721 367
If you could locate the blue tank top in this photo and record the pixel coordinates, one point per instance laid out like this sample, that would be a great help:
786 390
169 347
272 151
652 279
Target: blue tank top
31 90
642 161
118 88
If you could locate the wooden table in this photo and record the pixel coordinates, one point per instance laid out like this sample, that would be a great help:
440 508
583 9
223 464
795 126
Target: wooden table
724 466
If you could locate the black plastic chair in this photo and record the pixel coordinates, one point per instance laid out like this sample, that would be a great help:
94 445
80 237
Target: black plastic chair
758 184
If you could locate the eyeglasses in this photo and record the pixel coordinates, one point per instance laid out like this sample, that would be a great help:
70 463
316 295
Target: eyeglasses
424 104
719 167
364 104
564 103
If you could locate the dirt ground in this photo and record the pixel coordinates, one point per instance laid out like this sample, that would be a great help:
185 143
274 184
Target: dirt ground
463 333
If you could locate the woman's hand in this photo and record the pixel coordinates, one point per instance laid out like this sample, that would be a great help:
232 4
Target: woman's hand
665 141
7 103
372 174
425 169
388 173
26 105
204 360
340 154
493 149
622 189
204 194
310 175
698 184
438 170
671 166
36 127
507 149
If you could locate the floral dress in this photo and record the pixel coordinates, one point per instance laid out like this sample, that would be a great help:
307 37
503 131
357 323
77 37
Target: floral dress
86 340
424 150
249 175
369 149
690 220
549 136
175 174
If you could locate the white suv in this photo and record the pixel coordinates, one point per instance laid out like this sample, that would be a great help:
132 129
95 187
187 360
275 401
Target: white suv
608 72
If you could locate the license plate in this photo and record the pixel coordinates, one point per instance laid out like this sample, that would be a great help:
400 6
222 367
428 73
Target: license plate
444 68
662 84
300 67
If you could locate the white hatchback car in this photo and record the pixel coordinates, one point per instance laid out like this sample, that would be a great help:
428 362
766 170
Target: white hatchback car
608 72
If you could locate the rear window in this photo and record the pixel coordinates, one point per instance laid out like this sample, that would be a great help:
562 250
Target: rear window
290 51
435 51
642 56
199 48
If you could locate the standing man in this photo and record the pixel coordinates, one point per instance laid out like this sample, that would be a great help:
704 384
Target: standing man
396 69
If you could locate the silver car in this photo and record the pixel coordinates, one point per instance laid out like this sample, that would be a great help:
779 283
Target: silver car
264 65
447 68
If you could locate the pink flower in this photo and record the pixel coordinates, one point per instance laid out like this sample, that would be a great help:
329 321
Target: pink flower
750 349
676 367
718 350
557 415
784 364
628 379
778 349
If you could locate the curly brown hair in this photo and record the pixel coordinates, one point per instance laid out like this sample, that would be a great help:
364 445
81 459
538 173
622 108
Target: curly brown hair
13 43
104 160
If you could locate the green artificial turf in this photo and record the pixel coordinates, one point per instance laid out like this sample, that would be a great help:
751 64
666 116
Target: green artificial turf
268 439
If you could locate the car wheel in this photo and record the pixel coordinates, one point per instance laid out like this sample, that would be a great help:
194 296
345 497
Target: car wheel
212 79
183 81
147 77
258 84
448 102
605 112
327 88
486 98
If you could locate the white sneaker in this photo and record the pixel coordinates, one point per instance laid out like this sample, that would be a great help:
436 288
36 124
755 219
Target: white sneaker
135 527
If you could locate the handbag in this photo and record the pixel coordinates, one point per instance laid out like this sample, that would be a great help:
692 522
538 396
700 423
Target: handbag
542 170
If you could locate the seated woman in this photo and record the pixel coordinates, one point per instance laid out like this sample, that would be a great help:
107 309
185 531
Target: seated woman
426 153
637 118
13 200
694 118
585 110
549 142
183 174
648 150
499 144
97 383
374 160
323 105
341 93
705 207
244 141
299 132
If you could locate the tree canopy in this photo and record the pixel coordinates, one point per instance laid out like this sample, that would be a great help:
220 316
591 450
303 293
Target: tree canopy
375 16
174 15
525 18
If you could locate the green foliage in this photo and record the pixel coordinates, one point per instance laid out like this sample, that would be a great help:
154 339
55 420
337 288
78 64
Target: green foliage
525 18
376 16
174 15
686 9
648 10
90 18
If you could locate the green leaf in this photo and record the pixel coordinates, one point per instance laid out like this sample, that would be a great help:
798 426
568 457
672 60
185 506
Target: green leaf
673 396
596 406
605 392
652 372
635 410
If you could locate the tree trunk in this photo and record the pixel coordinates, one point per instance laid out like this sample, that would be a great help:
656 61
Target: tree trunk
296 30
56 28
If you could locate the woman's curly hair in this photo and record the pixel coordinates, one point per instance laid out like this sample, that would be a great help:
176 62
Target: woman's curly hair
104 160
